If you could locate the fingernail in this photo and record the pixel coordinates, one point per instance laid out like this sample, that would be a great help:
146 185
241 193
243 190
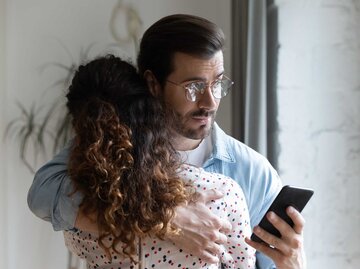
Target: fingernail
291 209
219 192
271 215
216 260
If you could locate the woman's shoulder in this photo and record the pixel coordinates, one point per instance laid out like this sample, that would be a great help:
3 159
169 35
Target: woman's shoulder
204 179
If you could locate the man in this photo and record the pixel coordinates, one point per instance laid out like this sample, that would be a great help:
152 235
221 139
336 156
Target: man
181 59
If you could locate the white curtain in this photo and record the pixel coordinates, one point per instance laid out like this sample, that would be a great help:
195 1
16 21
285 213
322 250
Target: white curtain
254 72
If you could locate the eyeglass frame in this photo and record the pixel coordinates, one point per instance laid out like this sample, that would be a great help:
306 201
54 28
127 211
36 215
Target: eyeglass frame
202 91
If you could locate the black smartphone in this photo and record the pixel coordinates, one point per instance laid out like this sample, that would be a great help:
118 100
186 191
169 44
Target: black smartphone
288 196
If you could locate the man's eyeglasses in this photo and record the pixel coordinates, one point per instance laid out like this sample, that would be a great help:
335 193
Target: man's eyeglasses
219 88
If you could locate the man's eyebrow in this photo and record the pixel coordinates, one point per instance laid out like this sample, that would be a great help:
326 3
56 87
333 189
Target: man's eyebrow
200 78
192 79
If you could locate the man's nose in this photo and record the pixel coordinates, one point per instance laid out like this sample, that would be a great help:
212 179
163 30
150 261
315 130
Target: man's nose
207 100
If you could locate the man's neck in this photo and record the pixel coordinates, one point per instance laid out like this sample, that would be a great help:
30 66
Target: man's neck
183 144
199 155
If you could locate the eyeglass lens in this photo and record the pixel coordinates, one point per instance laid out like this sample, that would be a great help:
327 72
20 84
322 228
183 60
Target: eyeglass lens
219 88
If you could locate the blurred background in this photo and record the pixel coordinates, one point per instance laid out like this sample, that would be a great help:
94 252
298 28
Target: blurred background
296 67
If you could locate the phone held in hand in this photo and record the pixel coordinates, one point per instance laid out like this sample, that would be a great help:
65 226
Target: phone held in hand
288 196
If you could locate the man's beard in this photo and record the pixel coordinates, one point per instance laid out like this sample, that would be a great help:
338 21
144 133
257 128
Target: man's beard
179 124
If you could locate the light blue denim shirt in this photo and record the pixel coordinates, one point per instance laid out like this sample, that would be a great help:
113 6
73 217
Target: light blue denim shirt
49 199
252 171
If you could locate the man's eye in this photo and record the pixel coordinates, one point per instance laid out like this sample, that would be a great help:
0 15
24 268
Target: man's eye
190 86
217 83
198 86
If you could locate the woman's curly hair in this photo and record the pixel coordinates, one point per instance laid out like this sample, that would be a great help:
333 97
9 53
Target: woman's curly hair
122 159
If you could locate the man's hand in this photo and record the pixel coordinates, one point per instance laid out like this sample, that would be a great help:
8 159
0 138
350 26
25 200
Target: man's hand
287 252
201 230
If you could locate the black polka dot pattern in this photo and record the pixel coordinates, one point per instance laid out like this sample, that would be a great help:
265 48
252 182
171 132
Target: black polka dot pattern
164 254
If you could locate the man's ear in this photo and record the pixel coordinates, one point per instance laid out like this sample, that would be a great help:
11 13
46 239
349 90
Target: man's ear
153 84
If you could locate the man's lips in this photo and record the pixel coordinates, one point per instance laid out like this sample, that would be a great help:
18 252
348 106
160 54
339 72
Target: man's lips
201 119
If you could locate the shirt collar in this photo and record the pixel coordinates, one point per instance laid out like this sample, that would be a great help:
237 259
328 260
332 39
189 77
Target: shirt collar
222 149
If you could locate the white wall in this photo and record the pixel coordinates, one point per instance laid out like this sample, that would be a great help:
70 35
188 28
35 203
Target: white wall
34 30
319 111
319 118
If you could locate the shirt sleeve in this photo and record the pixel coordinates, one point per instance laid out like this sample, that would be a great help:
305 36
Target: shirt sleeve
51 196
264 262
266 185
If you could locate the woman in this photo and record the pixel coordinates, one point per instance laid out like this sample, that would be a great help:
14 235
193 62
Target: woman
132 179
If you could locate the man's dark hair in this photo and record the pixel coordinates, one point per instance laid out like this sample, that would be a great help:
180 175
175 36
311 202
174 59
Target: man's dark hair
177 33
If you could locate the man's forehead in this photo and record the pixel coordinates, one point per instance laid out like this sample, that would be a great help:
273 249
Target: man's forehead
189 64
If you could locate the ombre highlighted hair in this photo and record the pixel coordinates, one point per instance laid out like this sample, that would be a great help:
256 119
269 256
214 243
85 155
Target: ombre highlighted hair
122 160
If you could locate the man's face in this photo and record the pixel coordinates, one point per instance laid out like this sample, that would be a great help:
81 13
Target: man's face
193 120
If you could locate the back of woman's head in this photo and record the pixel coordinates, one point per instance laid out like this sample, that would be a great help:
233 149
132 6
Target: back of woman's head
122 159
106 79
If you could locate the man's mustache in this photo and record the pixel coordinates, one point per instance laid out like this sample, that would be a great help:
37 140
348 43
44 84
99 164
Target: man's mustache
203 113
